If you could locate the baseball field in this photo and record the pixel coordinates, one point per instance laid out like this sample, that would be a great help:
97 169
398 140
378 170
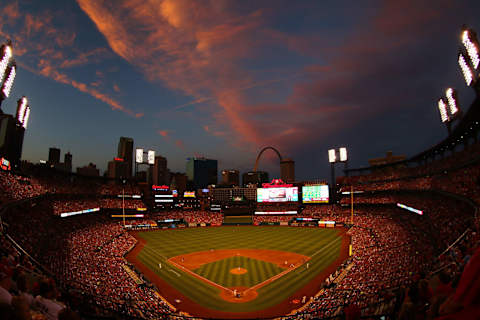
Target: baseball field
238 272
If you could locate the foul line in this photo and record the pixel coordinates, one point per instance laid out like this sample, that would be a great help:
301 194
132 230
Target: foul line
325 247
257 286
199 276
171 270
275 277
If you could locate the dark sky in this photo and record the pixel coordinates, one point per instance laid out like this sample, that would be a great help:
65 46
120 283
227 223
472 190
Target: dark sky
224 78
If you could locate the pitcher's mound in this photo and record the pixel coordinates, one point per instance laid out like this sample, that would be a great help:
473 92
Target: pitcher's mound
242 296
238 271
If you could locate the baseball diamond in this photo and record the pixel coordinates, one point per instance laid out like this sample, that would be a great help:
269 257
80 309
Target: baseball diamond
238 272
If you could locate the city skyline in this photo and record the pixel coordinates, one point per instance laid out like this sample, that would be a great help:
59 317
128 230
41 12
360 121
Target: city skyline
223 80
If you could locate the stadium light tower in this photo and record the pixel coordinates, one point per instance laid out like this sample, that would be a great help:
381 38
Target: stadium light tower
469 59
8 70
336 156
448 108
23 112
141 159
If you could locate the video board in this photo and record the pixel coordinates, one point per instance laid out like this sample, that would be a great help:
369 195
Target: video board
315 194
277 194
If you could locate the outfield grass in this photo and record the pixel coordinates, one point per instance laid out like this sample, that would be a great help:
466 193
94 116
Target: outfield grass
322 245
257 271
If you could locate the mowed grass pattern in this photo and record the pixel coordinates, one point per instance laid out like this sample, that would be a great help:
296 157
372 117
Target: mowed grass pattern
322 245
257 271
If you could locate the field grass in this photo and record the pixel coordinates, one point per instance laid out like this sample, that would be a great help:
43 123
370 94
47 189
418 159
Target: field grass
219 271
321 245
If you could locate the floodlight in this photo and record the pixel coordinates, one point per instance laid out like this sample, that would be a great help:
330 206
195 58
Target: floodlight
25 119
442 107
139 156
7 55
467 73
7 85
151 157
471 47
452 103
23 102
343 154
332 157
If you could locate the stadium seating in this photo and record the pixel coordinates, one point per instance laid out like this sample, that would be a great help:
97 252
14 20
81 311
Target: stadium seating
403 264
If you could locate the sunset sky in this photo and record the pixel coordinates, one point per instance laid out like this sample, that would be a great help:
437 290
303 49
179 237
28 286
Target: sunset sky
225 78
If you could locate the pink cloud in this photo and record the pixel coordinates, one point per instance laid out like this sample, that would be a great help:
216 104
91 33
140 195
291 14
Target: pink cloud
180 144
44 48
198 49
163 133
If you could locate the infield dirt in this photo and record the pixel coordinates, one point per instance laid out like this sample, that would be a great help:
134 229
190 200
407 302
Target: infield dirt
195 260
187 305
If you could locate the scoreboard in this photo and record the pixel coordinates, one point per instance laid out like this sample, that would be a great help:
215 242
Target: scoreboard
315 194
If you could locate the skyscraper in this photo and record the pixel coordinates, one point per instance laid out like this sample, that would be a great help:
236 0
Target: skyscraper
179 182
53 156
160 171
125 151
68 162
287 170
202 172
254 177
230 177
117 168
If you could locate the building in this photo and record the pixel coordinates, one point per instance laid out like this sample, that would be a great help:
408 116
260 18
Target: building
230 177
202 172
179 182
228 195
117 168
90 170
389 158
254 177
125 152
141 176
53 156
160 171
11 139
67 162
287 170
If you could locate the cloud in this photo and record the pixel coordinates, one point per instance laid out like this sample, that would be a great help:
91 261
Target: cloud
46 69
116 88
45 47
163 133
83 58
213 50
180 144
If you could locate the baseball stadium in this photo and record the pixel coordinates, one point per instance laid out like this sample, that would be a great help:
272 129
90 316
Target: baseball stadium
395 239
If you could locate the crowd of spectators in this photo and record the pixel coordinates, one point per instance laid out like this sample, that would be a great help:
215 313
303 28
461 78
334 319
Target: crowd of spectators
393 251
20 186
17 187
25 292
391 270
85 253
191 216
369 199
259 219
458 174
118 203
394 172
62 206
277 207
